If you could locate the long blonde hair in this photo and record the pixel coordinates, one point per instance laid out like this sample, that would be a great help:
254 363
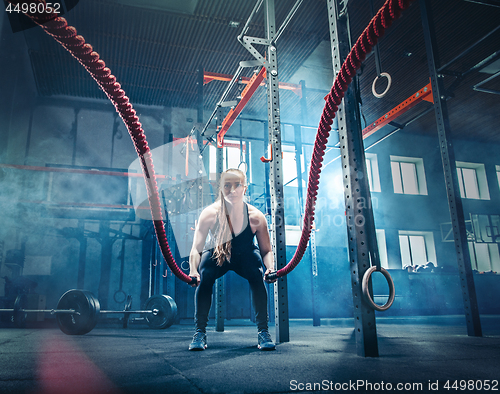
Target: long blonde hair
222 250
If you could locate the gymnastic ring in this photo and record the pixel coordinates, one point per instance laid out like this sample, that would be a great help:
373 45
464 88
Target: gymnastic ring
389 82
245 165
366 293
118 296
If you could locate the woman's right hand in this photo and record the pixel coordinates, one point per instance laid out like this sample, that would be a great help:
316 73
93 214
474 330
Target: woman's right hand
196 275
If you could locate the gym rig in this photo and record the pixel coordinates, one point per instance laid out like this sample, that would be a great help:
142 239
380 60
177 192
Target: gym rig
78 310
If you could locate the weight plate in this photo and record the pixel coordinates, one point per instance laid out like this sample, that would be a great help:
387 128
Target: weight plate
165 311
19 316
94 301
77 324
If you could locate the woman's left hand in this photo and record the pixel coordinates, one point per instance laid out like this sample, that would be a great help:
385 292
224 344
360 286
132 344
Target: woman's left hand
268 271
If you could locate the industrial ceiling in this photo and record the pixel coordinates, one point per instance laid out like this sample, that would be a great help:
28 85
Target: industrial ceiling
155 49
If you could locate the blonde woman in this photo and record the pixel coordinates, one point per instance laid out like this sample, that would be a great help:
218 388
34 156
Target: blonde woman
232 225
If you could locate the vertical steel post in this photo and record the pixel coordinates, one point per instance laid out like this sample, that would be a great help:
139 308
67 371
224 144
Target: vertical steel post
450 173
169 286
106 257
267 208
314 284
359 215
219 283
74 135
82 260
276 178
199 140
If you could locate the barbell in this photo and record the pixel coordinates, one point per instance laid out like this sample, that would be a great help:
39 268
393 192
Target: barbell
78 311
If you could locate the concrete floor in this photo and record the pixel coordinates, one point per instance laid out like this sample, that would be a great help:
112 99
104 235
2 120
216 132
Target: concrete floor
413 351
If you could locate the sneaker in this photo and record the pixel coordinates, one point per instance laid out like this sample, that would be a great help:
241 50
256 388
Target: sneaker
199 341
265 341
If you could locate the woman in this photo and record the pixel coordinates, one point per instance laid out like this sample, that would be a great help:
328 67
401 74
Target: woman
232 224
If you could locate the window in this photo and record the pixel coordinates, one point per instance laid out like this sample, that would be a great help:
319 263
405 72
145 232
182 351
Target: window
372 172
382 248
233 156
408 175
289 166
486 228
417 248
472 181
483 244
498 174
484 256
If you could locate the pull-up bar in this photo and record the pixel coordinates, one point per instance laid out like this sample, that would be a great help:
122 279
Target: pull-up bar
246 95
247 43
210 76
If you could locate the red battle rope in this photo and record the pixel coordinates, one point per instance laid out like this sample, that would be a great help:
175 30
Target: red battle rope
389 12
67 36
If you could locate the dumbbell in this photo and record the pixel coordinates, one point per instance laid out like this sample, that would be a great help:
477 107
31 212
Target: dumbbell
78 311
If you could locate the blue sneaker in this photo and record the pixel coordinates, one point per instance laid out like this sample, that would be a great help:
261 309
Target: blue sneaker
199 341
265 341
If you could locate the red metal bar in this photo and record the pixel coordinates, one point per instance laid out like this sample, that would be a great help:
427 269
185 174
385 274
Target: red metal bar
228 144
246 95
209 77
264 159
423 94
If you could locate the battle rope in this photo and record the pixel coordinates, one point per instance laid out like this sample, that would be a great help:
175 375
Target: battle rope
67 36
390 11
75 44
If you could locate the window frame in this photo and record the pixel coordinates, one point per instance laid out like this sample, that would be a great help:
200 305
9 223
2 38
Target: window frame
481 181
228 144
372 172
419 175
429 244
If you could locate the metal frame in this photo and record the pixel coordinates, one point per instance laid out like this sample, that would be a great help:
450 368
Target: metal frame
274 130
492 91
359 215
424 94
219 283
210 76
276 175
246 95
450 173
82 256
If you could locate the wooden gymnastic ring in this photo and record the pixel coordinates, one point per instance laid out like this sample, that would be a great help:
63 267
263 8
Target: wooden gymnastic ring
366 293
389 82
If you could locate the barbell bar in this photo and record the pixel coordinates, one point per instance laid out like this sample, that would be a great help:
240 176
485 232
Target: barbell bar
78 311
50 311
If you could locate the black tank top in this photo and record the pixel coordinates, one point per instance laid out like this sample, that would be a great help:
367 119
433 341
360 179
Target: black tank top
241 243
244 241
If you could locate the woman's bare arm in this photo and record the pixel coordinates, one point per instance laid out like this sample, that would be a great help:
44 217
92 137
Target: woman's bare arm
205 223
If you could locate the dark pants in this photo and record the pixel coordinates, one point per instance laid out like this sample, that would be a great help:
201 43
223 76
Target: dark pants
249 266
